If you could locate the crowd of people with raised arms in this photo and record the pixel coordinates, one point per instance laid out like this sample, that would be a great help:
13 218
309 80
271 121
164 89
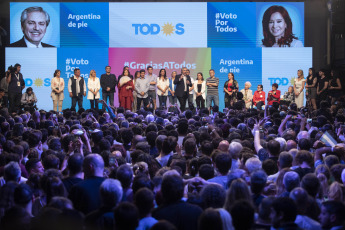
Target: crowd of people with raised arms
280 167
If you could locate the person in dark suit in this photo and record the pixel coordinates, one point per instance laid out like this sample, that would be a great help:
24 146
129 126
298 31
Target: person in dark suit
182 82
34 22
181 214
85 195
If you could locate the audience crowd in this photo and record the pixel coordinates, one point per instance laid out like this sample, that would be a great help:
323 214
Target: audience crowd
279 168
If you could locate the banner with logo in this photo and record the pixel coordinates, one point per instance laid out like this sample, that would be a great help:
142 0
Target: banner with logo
171 59
281 65
37 67
158 24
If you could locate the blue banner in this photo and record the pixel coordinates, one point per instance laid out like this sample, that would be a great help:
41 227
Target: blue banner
84 59
84 24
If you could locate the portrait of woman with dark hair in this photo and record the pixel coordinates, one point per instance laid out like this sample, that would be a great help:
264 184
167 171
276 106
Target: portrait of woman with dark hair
277 28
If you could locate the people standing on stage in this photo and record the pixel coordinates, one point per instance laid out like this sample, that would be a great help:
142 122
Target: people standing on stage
289 96
162 88
94 86
200 89
259 97
108 84
273 95
298 89
311 85
153 82
229 87
182 82
212 90
334 87
16 84
77 89
57 85
134 106
247 94
126 88
172 86
191 92
322 87
142 86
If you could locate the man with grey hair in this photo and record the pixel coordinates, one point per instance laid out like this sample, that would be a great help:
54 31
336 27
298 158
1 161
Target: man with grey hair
291 180
282 143
253 164
103 218
12 172
234 150
303 135
34 22
85 195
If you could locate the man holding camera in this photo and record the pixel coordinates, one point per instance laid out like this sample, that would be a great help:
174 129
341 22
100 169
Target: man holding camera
29 100
15 86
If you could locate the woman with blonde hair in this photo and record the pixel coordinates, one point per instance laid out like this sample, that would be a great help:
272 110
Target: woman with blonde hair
94 86
298 88
336 192
57 85
247 94
238 191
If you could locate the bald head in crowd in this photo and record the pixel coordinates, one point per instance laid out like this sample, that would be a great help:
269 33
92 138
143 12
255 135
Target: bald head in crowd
223 146
290 144
93 165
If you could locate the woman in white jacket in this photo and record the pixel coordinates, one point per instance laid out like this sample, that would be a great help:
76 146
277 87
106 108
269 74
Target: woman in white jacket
247 94
94 86
199 91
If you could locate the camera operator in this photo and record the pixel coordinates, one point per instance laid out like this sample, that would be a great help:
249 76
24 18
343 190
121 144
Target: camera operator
29 100
15 86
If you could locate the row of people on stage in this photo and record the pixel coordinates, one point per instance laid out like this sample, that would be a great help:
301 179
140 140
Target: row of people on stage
145 86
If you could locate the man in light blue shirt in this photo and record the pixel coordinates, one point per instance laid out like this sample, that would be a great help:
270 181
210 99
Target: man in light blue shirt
142 85
152 94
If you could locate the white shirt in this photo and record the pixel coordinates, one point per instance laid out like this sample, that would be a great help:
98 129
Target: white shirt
30 45
77 85
192 81
162 84
93 85
184 78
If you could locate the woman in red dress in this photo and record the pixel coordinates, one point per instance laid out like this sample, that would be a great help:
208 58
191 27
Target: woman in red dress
126 88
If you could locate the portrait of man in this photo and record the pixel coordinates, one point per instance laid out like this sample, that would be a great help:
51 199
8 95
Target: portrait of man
34 22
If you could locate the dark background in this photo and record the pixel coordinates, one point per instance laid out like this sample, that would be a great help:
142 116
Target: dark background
324 30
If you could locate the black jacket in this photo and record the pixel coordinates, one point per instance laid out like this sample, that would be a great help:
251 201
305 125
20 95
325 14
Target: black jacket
179 91
21 43
108 81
